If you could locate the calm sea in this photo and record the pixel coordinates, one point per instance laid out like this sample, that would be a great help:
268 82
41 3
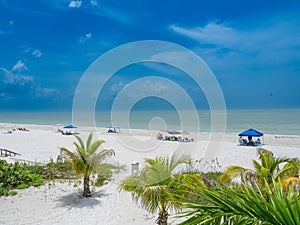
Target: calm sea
279 121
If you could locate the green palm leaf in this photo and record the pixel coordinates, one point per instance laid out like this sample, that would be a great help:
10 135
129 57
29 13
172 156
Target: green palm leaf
231 172
80 141
244 206
88 143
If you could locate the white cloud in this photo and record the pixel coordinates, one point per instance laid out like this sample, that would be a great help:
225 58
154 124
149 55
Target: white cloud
75 4
45 92
90 6
152 86
19 66
175 57
236 50
212 33
85 38
13 85
36 53
10 78
271 36
88 35
94 3
155 86
32 51
117 87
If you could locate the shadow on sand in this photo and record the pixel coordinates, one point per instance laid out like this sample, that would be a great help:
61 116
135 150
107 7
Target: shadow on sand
75 200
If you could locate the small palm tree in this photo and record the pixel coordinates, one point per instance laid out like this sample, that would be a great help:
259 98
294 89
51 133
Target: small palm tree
157 185
265 171
85 159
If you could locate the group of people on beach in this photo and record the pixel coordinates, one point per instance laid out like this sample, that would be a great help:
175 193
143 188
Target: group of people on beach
12 129
250 142
160 137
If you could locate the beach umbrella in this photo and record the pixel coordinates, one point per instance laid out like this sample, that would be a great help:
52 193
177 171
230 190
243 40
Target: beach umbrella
70 127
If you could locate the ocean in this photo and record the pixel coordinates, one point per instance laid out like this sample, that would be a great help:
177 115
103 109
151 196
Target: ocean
269 121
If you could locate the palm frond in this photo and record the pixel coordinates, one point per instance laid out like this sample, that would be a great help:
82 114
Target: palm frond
177 160
105 153
80 141
231 172
88 143
68 152
94 147
81 152
257 166
244 206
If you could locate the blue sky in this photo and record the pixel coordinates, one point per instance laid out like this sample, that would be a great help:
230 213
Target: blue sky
252 47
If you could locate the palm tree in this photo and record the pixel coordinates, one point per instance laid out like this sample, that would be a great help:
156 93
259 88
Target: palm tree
246 205
85 159
157 185
264 172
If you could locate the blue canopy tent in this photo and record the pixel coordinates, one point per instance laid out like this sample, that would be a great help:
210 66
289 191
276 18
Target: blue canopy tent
250 133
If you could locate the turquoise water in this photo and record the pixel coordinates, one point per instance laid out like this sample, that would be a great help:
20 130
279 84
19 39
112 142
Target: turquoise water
280 121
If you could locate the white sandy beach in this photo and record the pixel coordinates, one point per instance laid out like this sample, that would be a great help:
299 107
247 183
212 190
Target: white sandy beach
60 203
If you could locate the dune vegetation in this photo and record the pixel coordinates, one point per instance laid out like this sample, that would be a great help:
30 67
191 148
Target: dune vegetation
269 194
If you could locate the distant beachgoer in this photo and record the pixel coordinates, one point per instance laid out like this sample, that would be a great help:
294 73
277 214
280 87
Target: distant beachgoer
258 142
250 141
159 136
241 141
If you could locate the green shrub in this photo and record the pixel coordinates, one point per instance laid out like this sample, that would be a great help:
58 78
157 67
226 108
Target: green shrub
57 170
105 172
21 176
101 180
18 176
23 186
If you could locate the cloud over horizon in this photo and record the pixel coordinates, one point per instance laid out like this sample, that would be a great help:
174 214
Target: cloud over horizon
15 86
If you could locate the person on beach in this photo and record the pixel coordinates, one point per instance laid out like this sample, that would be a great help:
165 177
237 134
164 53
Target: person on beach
250 141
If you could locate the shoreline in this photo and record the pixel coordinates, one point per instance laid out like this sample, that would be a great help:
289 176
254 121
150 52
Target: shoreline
43 141
86 128
144 132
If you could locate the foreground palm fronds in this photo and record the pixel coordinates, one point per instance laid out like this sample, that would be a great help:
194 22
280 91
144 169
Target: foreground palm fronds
246 205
